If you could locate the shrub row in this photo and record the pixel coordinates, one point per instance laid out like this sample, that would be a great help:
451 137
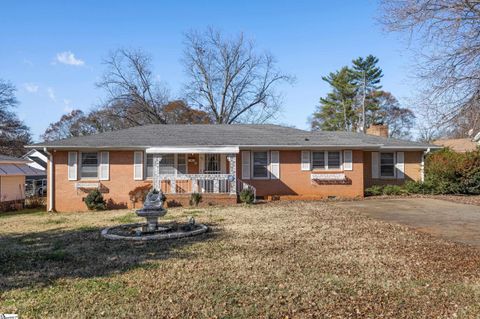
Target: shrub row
409 187
446 172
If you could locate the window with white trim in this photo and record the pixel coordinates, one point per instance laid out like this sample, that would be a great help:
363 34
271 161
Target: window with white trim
318 160
327 160
260 164
182 163
89 165
212 164
387 164
167 164
149 166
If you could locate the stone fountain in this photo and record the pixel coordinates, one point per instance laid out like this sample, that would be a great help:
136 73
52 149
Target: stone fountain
152 210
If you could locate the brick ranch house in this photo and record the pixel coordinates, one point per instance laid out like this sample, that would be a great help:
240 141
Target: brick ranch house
220 160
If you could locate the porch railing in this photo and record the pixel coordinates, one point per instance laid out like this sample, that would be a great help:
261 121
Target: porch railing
196 183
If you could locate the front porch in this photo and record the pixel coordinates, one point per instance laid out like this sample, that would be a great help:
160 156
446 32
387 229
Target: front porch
210 172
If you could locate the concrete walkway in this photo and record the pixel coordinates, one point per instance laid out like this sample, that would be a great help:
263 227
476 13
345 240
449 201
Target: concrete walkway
452 221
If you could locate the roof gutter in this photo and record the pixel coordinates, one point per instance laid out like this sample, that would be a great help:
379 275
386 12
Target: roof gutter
236 148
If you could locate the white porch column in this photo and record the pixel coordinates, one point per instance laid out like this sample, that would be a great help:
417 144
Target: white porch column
156 171
232 160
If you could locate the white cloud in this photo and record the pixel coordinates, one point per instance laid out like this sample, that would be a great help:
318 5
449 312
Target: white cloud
67 105
28 62
69 58
51 94
31 87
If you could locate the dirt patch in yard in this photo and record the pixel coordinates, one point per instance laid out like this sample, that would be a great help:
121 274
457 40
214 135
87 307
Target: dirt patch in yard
301 259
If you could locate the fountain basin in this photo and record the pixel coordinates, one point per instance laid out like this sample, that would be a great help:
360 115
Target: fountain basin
151 215
163 232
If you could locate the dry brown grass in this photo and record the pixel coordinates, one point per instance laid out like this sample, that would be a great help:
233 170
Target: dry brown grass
462 199
272 260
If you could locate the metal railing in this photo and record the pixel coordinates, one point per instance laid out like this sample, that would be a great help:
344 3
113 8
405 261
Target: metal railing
196 183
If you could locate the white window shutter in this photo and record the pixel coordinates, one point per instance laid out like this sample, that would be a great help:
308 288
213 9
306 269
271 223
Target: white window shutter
347 160
375 165
201 163
400 165
274 164
245 164
72 166
305 161
104 166
138 165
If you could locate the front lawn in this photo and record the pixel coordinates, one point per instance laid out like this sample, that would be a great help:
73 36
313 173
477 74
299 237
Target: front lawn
270 260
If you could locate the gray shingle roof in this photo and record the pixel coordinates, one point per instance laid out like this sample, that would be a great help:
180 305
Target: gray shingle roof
6 158
242 135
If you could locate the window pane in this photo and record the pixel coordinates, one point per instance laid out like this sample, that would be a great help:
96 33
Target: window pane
149 165
387 170
89 166
386 158
387 164
167 164
318 160
182 163
260 162
333 160
212 163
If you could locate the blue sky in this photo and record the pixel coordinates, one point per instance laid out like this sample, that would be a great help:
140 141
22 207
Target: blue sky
52 51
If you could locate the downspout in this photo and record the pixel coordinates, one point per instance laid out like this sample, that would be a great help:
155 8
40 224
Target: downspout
422 168
50 180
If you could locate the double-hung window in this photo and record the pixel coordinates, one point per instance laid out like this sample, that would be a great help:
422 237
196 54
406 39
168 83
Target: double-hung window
387 164
260 164
327 160
149 166
182 163
167 164
89 165
318 160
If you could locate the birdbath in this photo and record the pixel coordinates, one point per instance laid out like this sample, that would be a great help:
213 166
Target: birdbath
152 210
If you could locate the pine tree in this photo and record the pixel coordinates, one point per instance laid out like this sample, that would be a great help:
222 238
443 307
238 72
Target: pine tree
367 76
335 112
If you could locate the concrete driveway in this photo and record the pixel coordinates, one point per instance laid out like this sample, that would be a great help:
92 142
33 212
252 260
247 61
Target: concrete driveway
452 221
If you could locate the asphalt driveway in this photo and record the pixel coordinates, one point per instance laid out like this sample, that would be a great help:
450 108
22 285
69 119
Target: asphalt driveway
452 221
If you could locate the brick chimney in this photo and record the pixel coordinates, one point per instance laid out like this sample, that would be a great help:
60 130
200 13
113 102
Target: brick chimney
378 130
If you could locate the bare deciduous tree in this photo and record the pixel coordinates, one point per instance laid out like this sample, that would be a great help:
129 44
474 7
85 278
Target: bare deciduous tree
71 124
229 80
399 119
448 35
134 95
14 134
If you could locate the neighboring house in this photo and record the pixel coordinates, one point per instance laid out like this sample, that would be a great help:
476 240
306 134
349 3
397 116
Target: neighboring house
460 145
36 184
12 181
37 159
220 160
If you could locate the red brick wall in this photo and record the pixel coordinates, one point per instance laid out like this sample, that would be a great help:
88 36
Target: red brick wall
412 160
67 198
296 184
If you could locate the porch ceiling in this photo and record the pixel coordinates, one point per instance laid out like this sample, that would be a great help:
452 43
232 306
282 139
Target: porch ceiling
189 149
